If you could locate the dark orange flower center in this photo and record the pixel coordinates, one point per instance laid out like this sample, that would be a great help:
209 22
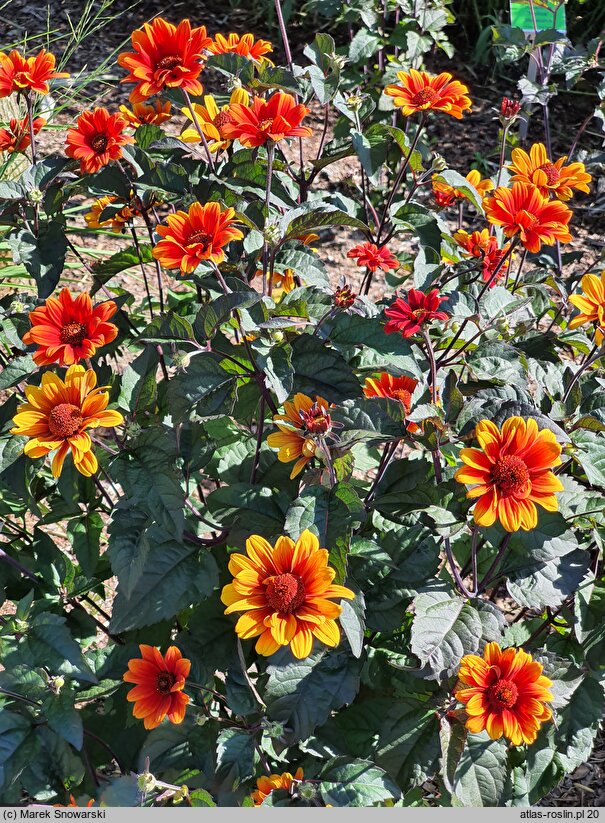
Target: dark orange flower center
165 681
503 694
99 143
221 120
510 474
265 125
73 333
424 96
552 173
65 420
525 219
202 237
404 397
316 420
20 78
169 62
285 592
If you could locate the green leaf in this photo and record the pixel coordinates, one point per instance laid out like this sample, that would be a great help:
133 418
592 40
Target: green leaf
212 315
85 534
234 757
302 693
122 260
446 627
209 641
276 363
455 179
408 746
48 642
17 746
548 584
43 256
591 455
313 216
169 327
377 350
204 384
63 718
157 575
256 509
579 722
355 783
17 370
352 622
321 370
139 384
481 774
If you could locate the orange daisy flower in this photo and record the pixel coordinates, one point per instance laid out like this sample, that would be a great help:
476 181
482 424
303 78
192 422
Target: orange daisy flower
17 136
304 421
165 56
550 178
246 46
504 693
58 413
97 139
116 222
281 282
284 592
267 120
211 120
591 304
420 91
522 211
397 388
18 73
484 246
199 234
265 785
159 682
142 114
511 473
67 330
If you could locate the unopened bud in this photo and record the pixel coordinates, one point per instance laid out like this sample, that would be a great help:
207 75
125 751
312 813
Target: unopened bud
132 428
55 684
306 791
439 163
146 782
354 102
180 794
274 729
181 361
344 297
16 307
35 195
509 109
272 234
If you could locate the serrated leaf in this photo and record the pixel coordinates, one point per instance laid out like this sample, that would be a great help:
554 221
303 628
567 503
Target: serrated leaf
355 783
481 774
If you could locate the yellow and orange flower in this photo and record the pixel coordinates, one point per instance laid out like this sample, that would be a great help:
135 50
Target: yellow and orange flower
511 473
97 139
550 178
116 222
591 304
484 246
505 693
419 91
284 592
245 46
165 56
199 234
524 213
147 114
211 120
17 136
265 785
67 330
18 73
266 120
304 421
397 388
450 193
57 415
159 682
281 282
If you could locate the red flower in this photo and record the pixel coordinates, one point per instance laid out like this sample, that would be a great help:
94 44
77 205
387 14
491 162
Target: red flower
509 109
17 136
245 46
368 254
484 246
266 120
67 330
18 73
165 56
408 316
159 682
97 138
344 297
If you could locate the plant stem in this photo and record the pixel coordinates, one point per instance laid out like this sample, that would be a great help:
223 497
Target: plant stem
198 128
495 564
142 266
251 686
158 265
475 533
10 561
260 426
270 155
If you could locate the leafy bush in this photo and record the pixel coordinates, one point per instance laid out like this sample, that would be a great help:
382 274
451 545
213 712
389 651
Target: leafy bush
270 538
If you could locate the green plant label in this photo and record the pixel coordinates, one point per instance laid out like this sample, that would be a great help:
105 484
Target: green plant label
538 15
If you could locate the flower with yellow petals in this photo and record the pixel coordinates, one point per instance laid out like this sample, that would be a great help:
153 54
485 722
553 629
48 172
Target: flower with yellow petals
265 785
285 593
550 178
57 414
211 120
591 304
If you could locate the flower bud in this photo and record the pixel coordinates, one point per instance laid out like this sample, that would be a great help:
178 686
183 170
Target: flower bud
16 307
439 163
509 109
55 684
354 102
272 233
132 428
344 297
146 782
306 791
180 794
274 729
35 195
